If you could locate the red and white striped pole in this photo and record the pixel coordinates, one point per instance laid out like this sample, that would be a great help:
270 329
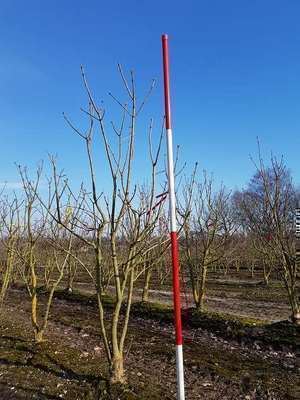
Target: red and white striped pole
173 227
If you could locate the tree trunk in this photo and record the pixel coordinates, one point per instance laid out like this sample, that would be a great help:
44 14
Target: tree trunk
195 285
6 276
34 305
296 317
145 295
266 279
293 297
290 281
225 269
196 297
202 293
38 335
201 301
252 270
117 372
5 283
70 277
267 273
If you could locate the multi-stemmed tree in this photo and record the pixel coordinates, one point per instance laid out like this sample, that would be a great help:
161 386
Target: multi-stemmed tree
267 210
117 220
38 231
10 236
207 231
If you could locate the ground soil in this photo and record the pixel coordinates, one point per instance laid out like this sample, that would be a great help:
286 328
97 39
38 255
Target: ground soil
68 365
248 298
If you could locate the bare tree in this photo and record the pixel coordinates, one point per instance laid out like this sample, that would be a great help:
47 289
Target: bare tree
206 234
267 209
10 236
155 257
115 224
38 227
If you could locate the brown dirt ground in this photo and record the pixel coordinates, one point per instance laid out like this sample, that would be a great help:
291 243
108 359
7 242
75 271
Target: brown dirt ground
215 368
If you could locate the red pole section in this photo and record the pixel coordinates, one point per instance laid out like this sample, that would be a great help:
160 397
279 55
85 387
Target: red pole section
166 81
173 224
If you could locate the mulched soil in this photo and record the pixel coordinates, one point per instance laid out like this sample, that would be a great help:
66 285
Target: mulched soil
215 368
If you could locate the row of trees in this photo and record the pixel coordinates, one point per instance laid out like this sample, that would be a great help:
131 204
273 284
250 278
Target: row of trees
254 227
117 234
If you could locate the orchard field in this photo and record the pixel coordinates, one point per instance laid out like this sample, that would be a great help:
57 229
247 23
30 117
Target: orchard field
86 273
242 346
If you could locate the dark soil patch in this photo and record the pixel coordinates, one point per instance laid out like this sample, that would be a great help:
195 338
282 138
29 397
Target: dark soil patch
219 364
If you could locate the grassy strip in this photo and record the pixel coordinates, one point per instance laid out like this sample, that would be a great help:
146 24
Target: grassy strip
279 335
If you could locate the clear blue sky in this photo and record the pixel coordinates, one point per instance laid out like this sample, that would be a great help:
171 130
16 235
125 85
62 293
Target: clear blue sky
235 69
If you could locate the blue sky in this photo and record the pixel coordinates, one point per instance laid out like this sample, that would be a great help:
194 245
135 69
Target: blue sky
235 75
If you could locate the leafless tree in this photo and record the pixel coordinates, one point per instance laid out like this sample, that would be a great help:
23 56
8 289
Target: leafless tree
267 209
38 227
207 231
118 224
10 236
